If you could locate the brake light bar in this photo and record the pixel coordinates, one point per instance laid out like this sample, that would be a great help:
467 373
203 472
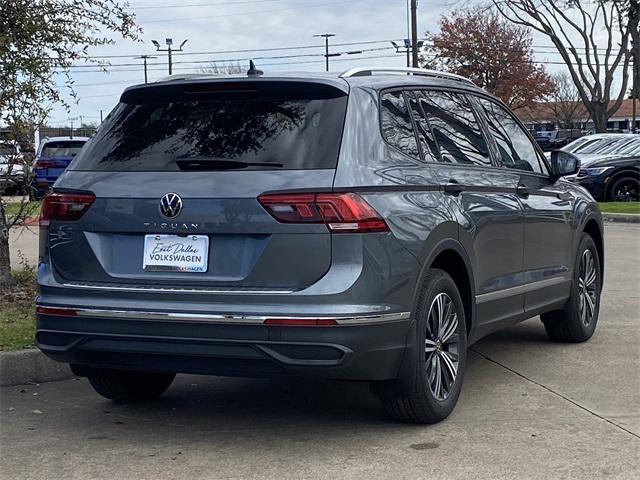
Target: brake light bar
340 212
65 206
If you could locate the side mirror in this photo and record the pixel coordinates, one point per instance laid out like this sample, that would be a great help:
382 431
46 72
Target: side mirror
563 163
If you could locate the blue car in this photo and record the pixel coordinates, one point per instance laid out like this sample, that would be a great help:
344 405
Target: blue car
53 157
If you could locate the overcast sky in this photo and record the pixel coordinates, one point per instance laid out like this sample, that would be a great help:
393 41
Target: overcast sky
223 25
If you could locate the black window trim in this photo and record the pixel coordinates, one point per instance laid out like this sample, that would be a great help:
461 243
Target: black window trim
438 156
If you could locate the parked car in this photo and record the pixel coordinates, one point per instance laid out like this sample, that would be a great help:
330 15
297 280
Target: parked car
613 174
53 156
365 226
12 178
555 139
592 144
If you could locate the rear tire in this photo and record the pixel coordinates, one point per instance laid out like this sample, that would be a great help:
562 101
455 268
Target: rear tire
441 346
129 387
577 321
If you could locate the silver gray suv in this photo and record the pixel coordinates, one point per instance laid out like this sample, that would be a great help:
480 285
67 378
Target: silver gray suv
365 226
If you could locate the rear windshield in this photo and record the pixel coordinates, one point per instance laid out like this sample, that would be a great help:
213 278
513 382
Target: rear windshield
257 130
62 149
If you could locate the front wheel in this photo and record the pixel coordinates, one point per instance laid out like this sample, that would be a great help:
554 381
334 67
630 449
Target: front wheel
625 189
125 386
577 321
440 357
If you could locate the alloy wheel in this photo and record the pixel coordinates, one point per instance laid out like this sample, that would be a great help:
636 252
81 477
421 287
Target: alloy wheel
441 348
587 285
627 192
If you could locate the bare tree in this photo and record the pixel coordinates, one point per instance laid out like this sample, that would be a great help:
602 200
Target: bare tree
576 29
564 102
38 41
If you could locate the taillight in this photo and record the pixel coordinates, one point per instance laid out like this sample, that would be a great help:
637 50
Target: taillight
43 164
64 206
341 212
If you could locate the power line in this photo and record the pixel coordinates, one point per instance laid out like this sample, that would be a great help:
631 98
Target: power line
255 12
183 5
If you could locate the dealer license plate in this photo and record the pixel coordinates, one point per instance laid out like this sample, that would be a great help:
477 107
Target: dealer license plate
173 253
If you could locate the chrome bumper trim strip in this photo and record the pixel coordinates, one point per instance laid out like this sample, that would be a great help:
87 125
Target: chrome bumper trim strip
228 319
130 288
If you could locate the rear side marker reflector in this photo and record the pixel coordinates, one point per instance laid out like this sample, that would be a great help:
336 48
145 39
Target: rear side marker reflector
56 311
301 322
340 212
65 206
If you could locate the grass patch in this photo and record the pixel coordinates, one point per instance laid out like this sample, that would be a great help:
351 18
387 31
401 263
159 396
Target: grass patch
31 209
620 207
17 312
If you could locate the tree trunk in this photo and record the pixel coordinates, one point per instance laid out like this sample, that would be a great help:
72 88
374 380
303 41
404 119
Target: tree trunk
5 260
599 116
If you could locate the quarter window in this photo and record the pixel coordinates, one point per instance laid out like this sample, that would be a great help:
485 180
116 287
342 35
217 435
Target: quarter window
515 148
397 127
455 128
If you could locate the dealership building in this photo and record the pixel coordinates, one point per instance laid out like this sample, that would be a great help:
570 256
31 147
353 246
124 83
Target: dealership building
544 116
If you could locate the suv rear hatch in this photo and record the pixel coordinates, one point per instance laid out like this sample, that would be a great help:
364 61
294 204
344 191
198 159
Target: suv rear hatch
54 158
218 145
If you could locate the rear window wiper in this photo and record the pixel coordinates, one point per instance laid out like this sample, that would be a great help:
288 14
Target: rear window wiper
209 163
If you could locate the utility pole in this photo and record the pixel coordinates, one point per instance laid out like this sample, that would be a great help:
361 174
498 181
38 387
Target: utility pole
100 116
71 119
169 43
408 33
144 58
326 47
414 32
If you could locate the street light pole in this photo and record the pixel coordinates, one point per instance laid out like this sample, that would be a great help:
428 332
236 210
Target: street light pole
326 47
169 42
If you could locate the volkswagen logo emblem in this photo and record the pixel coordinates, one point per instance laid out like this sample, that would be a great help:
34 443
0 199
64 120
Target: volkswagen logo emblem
170 205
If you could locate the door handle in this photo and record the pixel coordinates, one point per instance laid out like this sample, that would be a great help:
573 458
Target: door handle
523 191
453 187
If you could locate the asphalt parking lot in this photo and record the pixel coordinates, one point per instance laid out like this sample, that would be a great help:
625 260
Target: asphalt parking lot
529 409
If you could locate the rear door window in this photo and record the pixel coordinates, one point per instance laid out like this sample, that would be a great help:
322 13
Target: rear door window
269 127
396 124
455 128
515 148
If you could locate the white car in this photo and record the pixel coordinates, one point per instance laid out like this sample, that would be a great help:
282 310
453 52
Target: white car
12 176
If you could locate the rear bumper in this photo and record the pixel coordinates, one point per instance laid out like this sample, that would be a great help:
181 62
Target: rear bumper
359 347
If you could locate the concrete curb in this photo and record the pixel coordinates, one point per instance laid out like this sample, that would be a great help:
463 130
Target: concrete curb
30 366
621 217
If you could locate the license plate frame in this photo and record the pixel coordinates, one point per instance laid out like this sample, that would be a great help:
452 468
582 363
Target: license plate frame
175 253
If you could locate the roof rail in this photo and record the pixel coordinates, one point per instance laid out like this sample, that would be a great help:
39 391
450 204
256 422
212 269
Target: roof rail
366 71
